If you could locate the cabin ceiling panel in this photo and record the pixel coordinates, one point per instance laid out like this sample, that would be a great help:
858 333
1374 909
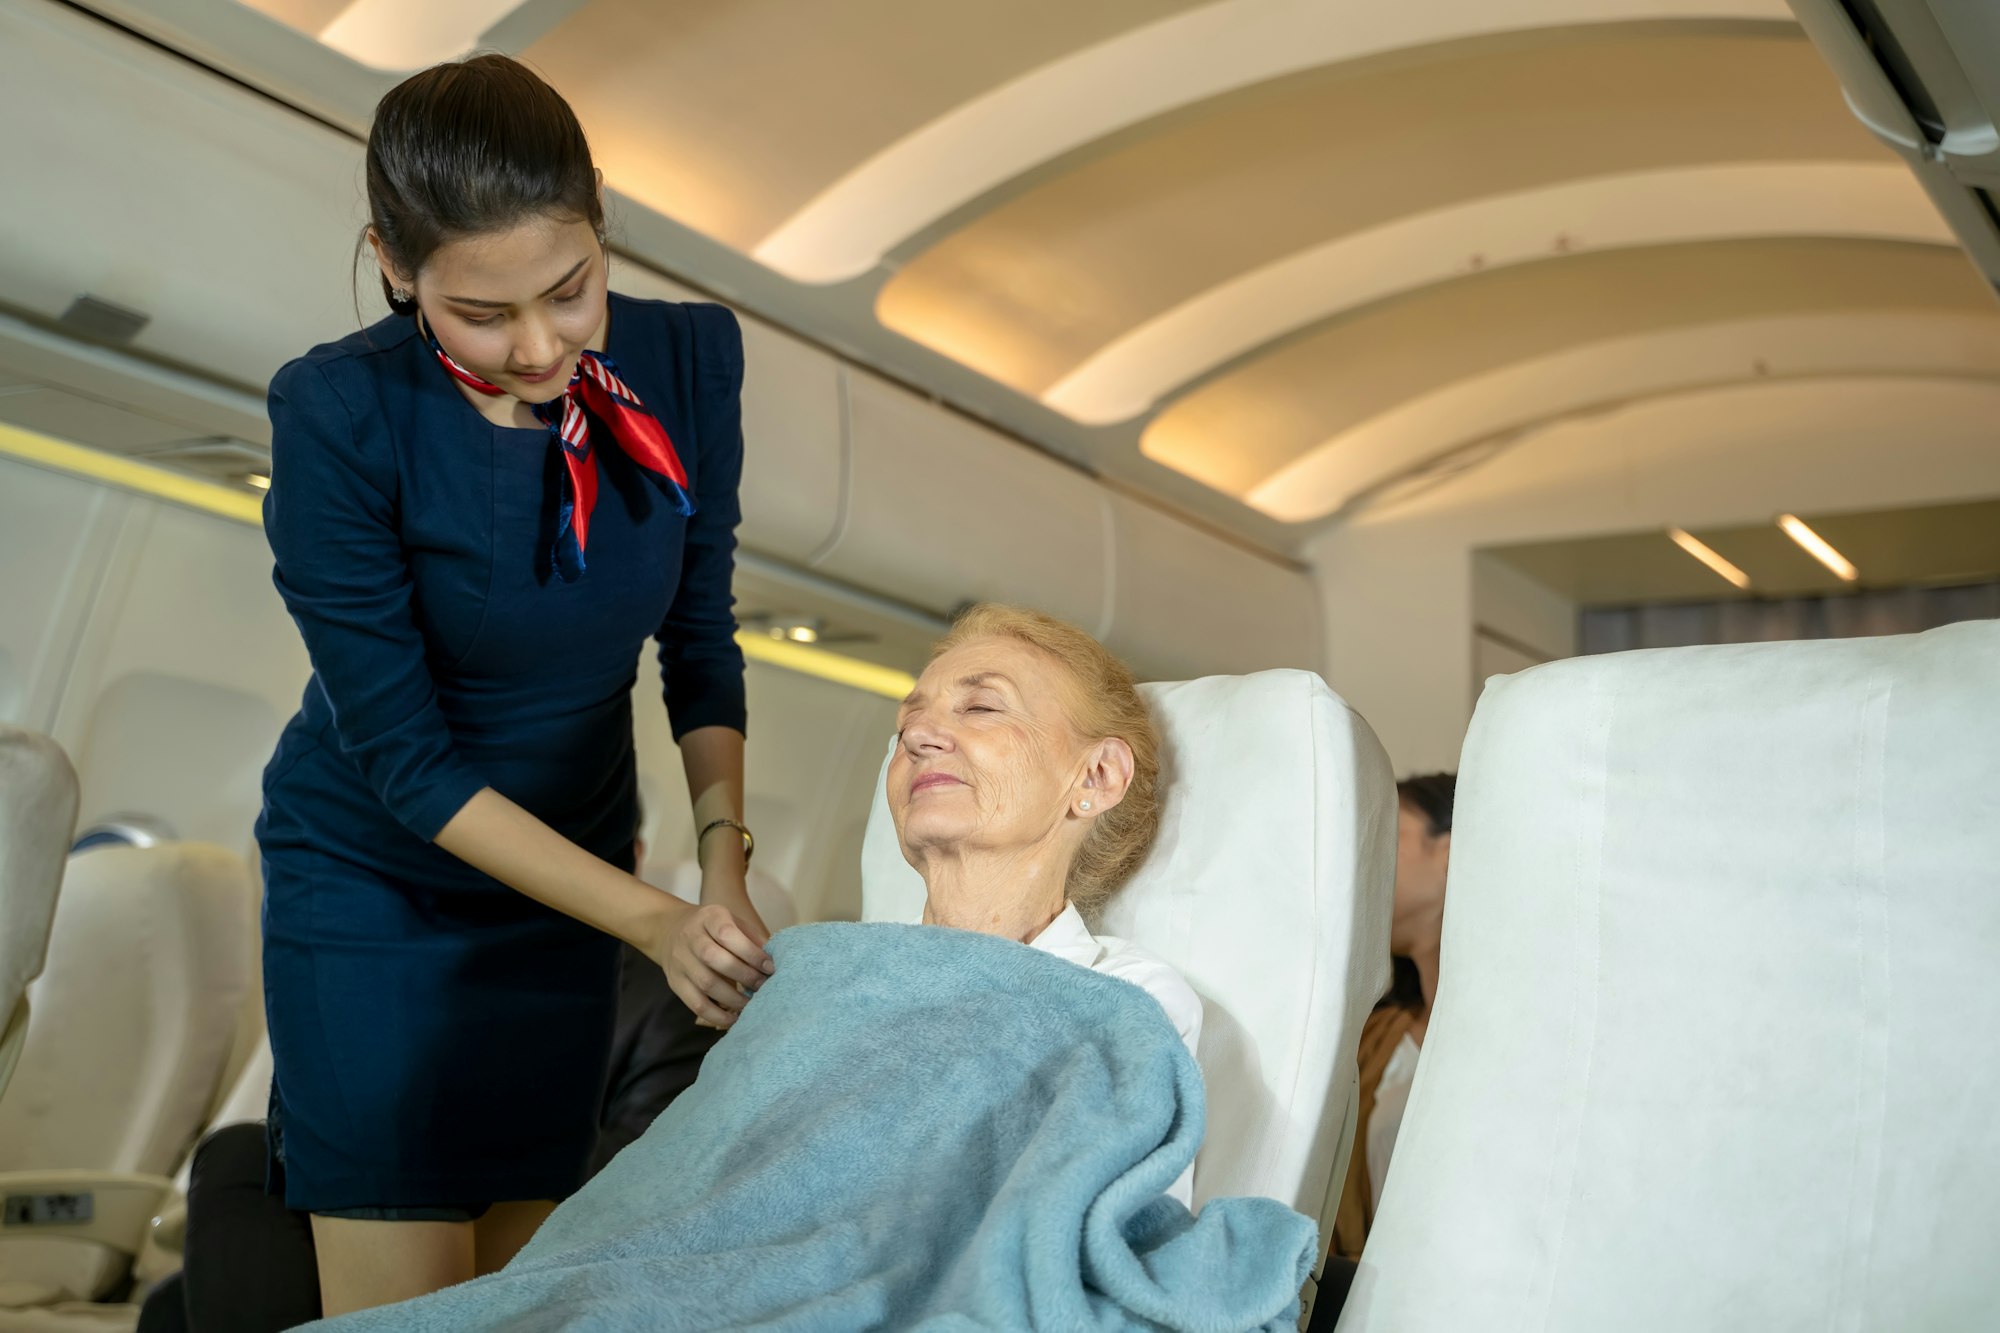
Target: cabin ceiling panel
1128 377
731 117
1418 447
1236 431
1733 455
308 16
1032 289
1175 63
1322 241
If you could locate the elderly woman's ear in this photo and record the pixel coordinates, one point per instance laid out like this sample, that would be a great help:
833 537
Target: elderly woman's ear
1107 773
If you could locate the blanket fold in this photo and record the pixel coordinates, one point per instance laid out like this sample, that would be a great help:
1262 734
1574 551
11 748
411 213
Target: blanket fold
909 1127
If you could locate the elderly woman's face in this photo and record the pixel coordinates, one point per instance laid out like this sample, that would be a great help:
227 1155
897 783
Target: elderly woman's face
987 759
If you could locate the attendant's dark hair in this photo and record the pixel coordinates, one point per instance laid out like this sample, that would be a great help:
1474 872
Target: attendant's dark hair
473 146
1430 795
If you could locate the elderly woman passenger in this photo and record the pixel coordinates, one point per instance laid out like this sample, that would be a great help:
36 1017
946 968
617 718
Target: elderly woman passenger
1024 787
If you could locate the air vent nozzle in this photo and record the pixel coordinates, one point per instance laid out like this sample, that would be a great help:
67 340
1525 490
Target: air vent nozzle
103 321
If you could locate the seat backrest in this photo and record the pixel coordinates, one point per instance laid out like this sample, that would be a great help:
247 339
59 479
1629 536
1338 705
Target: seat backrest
134 1018
38 796
1269 888
1720 996
771 899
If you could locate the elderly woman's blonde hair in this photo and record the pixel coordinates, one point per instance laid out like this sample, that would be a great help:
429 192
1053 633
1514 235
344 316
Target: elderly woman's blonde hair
1104 704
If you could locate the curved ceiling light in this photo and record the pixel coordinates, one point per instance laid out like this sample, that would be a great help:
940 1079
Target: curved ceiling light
1219 48
1739 201
1608 375
397 35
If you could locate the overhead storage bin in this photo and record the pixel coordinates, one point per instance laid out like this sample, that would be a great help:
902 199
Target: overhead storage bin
792 448
792 460
247 268
941 511
1185 603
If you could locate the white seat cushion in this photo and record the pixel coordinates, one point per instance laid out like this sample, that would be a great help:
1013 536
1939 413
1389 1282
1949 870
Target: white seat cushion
1715 1041
1269 889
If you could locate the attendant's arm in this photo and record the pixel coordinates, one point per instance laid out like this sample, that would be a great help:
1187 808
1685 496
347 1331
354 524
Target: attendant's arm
706 952
712 757
701 667
332 518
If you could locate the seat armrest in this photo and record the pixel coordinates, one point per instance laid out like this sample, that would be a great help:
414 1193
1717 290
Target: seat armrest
112 1208
170 1227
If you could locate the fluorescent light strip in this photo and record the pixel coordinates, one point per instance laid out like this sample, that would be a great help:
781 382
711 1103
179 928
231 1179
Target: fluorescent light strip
836 667
1705 553
127 474
1818 548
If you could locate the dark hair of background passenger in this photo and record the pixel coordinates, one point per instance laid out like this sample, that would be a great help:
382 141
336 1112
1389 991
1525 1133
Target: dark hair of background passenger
1430 795
469 147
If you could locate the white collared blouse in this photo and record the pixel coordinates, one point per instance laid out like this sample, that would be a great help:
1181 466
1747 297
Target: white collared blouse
1068 938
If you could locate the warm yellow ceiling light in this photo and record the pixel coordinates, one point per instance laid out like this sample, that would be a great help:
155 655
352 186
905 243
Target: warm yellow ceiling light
1707 554
836 667
397 35
1818 548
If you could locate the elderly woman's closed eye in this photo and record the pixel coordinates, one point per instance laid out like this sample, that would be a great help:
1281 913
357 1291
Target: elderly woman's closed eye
1024 787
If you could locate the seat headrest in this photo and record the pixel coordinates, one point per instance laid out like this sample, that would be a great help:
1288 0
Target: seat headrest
38 795
1269 888
1713 1045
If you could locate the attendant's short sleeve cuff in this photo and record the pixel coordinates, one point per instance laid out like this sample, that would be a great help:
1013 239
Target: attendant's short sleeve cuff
427 814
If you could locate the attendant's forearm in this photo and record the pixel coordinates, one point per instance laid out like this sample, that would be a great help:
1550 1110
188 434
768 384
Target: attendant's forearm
713 760
494 835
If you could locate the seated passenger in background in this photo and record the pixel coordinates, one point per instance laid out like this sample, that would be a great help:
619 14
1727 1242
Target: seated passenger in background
1394 1033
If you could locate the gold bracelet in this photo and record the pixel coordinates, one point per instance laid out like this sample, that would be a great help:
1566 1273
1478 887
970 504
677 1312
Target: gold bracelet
749 843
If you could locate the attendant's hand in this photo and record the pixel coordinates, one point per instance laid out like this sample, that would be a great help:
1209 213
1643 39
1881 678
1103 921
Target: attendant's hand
713 960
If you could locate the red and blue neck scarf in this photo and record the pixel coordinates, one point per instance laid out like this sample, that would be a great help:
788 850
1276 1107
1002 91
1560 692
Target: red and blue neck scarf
593 385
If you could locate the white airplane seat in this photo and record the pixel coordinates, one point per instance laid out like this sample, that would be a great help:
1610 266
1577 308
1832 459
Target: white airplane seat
135 1016
1714 1048
1269 888
38 796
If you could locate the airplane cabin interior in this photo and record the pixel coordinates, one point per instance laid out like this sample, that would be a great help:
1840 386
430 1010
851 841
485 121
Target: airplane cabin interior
1528 471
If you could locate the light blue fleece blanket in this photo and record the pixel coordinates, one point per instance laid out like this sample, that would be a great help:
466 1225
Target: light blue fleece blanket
909 1127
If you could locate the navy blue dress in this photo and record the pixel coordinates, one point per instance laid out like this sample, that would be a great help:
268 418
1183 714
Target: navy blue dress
441 1040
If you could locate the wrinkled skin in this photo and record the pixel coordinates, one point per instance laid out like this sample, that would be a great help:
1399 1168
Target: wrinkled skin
988 786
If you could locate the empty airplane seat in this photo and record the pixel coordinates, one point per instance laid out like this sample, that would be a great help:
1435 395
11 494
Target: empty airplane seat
135 1016
1269 888
38 795
1714 1046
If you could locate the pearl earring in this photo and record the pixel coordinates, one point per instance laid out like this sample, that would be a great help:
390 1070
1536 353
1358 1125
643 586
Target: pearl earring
1084 804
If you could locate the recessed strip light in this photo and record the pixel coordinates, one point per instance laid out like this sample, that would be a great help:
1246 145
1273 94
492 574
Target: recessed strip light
1818 548
836 667
1705 553
228 502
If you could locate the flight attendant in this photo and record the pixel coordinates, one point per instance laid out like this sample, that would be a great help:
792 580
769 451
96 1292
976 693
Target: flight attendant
481 507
